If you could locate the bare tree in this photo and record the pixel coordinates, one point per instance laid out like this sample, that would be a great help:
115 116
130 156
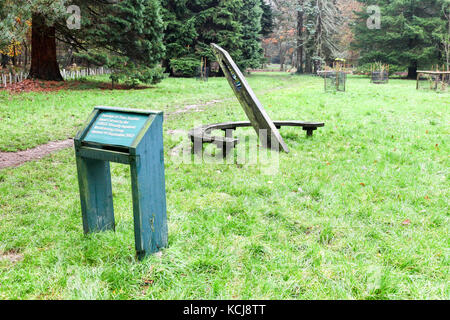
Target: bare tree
285 29
300 27
446 37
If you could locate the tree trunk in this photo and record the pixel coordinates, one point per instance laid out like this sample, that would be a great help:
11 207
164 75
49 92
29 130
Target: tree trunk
4 61
282 57
44 65
25 53
293 59
412 71
13 58
300 39
308 64
165 64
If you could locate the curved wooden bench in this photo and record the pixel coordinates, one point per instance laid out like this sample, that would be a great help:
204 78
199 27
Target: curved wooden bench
202 135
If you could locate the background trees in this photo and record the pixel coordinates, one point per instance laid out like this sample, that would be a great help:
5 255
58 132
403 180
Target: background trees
267 23
251 20
41 16
323 22
411 33
281 43
130 36
444 33
135 37
125 36
193 25
307 31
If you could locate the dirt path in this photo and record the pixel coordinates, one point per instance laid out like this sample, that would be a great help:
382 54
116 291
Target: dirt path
194 107
198 107
12 256
14 159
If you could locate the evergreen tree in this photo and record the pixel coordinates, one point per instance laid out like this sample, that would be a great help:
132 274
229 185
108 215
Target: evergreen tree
125 35
300 36
12 29
179 38
322 22
250 18
445 35
42 14
410 35
193 25
44 64
267 23
8 23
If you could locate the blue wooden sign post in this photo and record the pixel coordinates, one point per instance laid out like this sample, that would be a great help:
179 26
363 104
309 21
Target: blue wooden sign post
132 137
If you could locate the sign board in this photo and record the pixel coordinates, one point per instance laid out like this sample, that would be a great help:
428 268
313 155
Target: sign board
132 137
116 128
254 110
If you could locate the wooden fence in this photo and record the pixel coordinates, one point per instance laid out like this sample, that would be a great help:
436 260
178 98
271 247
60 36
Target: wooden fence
10 78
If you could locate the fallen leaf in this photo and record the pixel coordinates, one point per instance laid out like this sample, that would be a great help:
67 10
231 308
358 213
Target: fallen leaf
147 283
363 184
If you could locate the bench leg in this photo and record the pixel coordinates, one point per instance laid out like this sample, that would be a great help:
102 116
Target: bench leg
226 149
309 131
197 146
228 133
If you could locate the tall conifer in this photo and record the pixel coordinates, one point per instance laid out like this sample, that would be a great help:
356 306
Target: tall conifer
410 33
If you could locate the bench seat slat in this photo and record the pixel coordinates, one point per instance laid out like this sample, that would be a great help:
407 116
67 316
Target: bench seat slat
203 133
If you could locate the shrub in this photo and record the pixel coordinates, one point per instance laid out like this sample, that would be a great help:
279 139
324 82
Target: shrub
184 67
133 74
366 69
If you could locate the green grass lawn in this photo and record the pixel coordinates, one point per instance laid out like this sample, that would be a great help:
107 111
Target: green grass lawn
31 119
360 211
